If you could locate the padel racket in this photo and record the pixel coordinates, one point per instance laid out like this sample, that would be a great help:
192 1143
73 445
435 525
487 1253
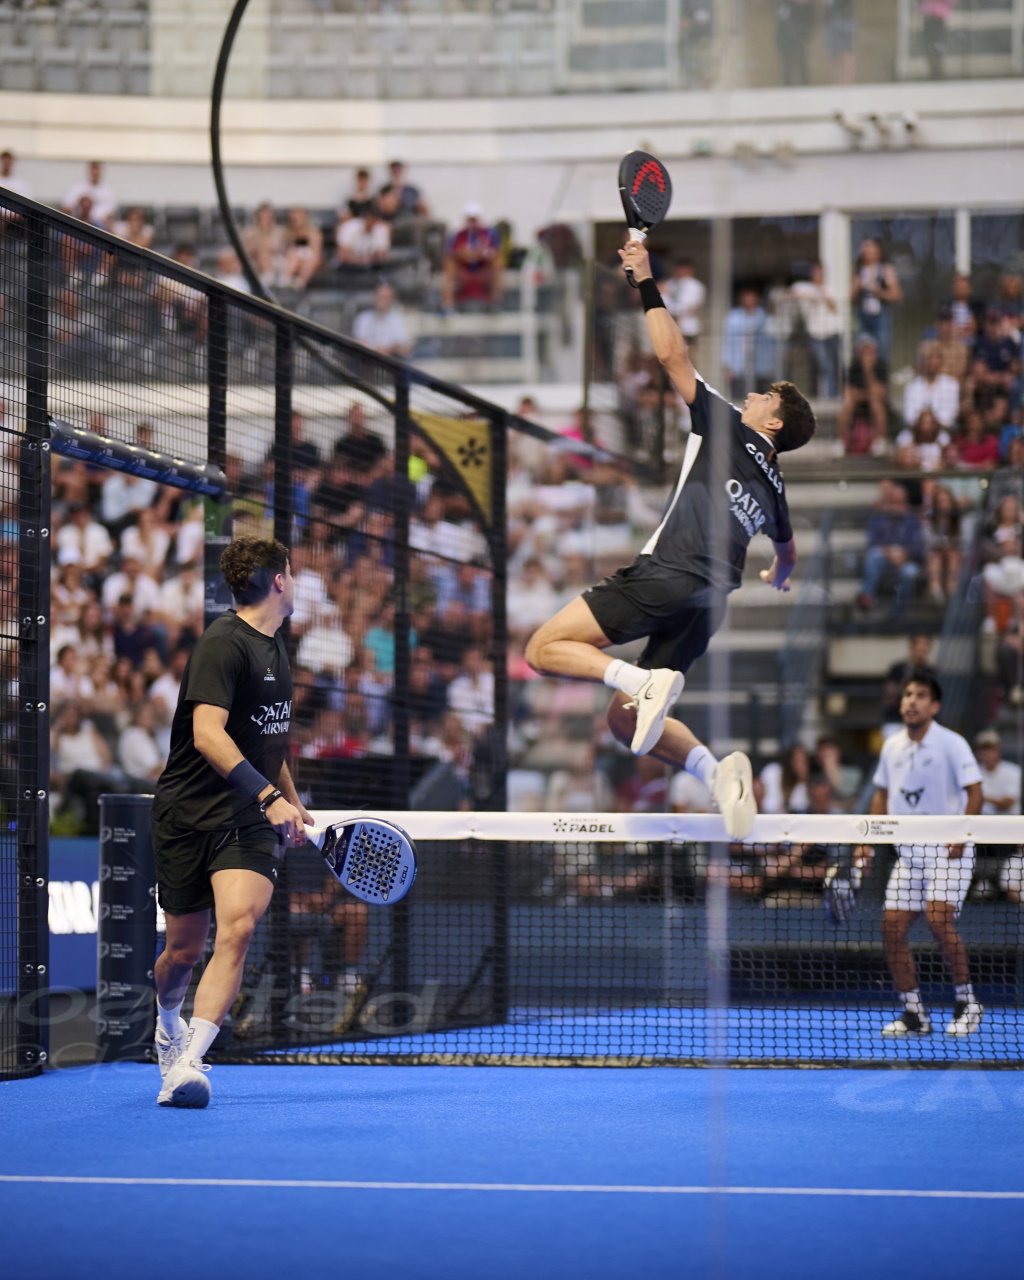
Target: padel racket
646 191
842 885
370 857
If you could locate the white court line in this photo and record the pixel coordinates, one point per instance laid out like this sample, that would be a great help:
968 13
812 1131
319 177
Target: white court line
582 1188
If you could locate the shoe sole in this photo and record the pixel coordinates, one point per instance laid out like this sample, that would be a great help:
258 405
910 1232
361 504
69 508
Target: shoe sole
737 771
657 726
968 1032
192 1094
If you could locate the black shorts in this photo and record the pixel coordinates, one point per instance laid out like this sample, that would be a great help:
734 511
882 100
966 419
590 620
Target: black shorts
676 611
186 858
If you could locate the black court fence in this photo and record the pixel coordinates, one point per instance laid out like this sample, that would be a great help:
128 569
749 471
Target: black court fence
180 413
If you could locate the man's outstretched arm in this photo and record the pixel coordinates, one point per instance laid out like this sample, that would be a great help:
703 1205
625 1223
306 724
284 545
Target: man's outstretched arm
666 339
781 568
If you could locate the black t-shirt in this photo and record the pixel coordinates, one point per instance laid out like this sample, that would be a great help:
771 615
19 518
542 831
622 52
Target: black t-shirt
725 494
236 667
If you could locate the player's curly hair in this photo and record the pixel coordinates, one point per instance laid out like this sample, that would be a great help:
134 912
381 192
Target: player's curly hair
798 421
249 566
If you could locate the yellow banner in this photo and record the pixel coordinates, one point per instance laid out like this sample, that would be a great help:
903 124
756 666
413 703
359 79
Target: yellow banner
468 446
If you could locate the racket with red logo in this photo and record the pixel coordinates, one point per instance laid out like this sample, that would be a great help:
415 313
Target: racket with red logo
372 858
646 191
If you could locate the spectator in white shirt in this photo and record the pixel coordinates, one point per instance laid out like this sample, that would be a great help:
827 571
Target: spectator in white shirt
1000 779
363 242
82 540
932 389
9 182
820 314
148 542
471 695
104 202
131 581
311 599
124 496
927 439
383 327
182 600
138 752
685 297
163 695
68 680
531 597
191 536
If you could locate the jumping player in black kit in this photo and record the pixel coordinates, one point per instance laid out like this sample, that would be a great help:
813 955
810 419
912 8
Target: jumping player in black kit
223 805
674 594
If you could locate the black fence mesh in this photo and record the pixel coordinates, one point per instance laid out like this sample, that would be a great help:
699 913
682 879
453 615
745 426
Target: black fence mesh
639 953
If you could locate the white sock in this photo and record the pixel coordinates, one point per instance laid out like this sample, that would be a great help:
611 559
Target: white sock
201 1034
168 1018
965 994
629 679
702 764
912 1002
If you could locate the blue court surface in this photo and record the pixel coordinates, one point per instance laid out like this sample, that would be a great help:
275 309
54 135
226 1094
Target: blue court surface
451 1173
802 1033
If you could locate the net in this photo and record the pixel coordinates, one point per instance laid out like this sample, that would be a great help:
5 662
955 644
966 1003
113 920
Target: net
645 939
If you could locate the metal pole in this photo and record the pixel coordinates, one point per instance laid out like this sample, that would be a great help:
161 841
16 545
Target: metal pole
33 815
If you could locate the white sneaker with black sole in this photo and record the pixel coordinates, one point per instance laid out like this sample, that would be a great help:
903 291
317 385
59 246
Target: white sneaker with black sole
909 1024
186 1085
733 790
967 1015
169 1048
656 698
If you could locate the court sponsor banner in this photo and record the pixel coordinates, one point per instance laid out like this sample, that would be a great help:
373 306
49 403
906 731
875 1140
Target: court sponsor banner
615 828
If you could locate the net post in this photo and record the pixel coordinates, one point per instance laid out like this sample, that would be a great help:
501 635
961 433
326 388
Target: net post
33 826
401 924
497 535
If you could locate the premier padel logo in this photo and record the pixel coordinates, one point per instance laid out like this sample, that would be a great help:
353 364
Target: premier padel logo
569 827
913 798
649 171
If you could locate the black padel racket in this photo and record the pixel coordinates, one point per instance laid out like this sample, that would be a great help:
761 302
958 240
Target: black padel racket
646 191
370 857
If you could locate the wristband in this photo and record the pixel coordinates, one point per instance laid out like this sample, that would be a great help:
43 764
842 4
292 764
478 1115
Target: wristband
246 778
265 804
650 295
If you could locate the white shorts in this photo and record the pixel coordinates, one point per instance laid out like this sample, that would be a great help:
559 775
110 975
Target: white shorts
1011 874
928 875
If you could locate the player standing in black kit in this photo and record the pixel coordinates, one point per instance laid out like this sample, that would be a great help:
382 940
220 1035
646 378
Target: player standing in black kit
223 804
674 594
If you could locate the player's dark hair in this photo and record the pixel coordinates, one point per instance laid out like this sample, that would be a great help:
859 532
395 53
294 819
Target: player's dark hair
920 675
250 565
798 421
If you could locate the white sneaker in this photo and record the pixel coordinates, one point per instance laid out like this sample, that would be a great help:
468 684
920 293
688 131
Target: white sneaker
733 792
658 695
909 1024
186 1085
169 1048
967 1016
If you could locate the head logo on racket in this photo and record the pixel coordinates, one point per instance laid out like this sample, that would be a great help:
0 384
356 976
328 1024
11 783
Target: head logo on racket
646 192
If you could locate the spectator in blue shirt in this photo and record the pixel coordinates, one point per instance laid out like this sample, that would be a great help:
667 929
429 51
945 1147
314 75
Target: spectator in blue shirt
895 541
748 351
996 356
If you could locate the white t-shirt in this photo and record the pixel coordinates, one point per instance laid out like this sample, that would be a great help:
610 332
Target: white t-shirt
941 396
929 776
104 202
145 594
821 320
1002 783
684 296
364 245
381 332
688 794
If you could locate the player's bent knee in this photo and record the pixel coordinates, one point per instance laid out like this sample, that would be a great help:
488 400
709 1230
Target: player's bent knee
187 957
534 654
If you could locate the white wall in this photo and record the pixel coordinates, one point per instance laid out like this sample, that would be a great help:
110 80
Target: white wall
537 159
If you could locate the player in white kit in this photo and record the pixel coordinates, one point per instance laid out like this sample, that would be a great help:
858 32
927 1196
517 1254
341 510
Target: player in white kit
925 768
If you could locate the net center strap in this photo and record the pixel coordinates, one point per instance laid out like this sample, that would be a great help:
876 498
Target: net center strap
614 828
